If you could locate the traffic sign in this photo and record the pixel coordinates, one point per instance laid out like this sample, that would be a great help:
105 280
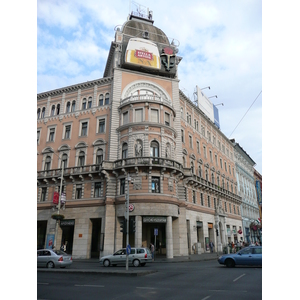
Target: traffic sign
155 231
128 249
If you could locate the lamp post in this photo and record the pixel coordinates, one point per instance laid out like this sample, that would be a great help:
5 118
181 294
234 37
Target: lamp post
59 200
127 220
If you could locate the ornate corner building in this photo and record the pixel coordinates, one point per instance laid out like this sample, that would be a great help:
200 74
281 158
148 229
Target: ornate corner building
135 121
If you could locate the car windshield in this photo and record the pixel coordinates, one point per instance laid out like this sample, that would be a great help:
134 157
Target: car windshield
120 252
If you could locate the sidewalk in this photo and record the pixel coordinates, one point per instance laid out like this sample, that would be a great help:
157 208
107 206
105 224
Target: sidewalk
93 266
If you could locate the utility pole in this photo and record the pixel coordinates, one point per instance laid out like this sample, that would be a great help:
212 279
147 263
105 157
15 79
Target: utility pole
127 220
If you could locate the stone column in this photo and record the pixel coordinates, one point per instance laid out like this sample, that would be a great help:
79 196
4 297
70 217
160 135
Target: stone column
138 231
169 237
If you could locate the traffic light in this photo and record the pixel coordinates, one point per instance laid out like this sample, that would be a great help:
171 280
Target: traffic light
124 226
131 225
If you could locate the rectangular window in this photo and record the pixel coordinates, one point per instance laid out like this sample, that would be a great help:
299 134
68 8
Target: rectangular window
191 142
43 194
204 151
68 132
182 135
230 207
122 186
208 201
167 119
215 203
210 156
198 147
194 197
221 163
84 128
38 136
138 115
201 198
125 118
225 204
154 115
78 194
155 185
51 134
97 191
101 127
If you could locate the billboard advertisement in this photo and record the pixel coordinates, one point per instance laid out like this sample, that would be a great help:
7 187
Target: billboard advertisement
208 107
143 53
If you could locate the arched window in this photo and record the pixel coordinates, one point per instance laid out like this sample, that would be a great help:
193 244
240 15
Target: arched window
64 160
57 109
73 105
38 113
84 103
99 156
212 178
81 159
106 98
101 100
124 151
223 184
52 110
206 175
47 163
218 180
43 112
90 102
68 107
154 149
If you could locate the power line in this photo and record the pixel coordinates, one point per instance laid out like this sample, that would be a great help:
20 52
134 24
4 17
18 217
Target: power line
245 114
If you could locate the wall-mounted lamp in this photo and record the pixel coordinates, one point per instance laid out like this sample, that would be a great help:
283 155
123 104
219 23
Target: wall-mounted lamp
219 104
207 87
213 96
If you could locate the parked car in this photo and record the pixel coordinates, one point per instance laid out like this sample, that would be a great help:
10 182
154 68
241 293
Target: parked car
250 256
53 258
137 257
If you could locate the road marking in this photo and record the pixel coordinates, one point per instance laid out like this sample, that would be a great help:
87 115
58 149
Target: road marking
205 298
89 285
238 277
146 288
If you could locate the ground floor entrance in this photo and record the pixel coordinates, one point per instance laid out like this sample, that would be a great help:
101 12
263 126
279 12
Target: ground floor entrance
67 227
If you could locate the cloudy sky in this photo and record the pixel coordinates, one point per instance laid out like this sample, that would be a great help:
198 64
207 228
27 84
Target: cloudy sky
220 42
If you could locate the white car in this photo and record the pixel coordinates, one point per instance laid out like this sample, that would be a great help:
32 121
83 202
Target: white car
137 257
53 258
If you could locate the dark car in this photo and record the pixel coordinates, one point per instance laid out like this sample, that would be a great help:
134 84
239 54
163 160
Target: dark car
250 256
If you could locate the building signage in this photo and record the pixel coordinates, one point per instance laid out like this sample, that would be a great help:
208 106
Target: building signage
143 53
67 222
154 219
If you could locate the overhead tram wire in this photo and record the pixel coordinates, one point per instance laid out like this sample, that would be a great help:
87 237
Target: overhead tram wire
245 114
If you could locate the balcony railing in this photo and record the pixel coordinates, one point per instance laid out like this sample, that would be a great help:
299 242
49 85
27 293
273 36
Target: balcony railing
143 161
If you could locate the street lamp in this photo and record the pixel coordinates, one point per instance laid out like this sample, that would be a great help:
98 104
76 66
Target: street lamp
59 200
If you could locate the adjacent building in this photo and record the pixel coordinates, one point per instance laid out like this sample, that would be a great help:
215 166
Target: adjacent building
247 190
134 133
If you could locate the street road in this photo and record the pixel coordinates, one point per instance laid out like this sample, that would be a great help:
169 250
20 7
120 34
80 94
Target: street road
186 280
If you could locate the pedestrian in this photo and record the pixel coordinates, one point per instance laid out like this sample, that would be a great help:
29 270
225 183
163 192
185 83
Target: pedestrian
211 246
152 250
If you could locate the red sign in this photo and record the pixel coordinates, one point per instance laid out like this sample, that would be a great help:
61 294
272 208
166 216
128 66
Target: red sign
143 54
55 197
240 231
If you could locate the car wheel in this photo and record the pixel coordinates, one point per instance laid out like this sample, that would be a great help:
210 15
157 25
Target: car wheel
136 262
106 263
229 263
50 265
